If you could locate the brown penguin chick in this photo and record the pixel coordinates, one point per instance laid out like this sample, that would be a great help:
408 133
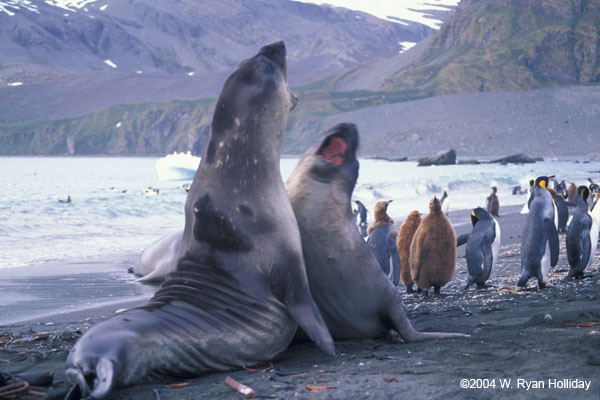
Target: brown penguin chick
432 258
493 205
381 216
407 232
572 193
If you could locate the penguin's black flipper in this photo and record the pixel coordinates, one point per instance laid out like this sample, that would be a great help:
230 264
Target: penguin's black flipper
462 239
552 236
393 252
487 261
586 248
531 196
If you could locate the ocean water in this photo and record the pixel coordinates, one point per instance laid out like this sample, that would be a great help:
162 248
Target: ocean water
110 214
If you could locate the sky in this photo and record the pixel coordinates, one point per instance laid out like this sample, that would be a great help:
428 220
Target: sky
403 9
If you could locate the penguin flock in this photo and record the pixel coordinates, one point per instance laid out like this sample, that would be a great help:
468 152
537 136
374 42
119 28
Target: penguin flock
423 251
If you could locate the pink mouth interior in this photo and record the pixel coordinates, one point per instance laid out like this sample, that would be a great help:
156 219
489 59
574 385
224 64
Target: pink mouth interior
334 152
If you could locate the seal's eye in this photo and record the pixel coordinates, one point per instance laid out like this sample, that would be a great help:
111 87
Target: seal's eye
334 151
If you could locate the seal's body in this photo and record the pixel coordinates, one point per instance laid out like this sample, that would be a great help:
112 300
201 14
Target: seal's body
159 259
240 287
354 295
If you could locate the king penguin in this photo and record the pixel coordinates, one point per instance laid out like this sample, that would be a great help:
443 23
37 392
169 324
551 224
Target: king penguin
579 241
445 203
482 249
382 241
525 208
539 242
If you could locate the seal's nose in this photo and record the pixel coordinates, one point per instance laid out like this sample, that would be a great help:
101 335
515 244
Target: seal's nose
276 53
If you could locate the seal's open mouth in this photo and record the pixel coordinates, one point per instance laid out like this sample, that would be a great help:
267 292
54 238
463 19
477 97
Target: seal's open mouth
334 151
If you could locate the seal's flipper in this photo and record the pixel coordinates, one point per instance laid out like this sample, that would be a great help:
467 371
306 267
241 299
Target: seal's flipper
308 317
303 309
552 234
95 380
407 332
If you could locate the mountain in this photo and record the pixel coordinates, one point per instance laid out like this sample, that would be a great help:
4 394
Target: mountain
66 58
495 45
499 77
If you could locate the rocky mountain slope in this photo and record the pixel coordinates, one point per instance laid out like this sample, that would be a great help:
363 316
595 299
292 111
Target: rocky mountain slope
66 61
540 56
497 45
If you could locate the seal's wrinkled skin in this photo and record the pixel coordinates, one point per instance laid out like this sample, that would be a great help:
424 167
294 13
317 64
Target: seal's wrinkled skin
355 296
240 289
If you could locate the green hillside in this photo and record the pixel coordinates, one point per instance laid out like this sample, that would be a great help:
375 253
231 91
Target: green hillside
505 45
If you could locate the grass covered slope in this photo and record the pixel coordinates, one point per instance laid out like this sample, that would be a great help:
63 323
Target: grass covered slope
501 45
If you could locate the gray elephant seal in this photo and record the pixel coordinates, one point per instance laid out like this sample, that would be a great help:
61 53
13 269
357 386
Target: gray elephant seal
240 287
159 258
356 298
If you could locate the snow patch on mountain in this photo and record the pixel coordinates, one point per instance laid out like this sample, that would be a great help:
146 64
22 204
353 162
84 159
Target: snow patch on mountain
9 7
402 12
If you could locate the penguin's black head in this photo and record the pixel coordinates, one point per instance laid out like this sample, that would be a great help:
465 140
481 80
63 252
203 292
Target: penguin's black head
584 192
494 189
542 181
474 218
479 214
531 183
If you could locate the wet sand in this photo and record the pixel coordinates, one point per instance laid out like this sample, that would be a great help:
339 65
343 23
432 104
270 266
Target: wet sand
529 344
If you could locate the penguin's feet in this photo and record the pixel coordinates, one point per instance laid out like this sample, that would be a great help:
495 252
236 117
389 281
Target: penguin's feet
483 285
541 285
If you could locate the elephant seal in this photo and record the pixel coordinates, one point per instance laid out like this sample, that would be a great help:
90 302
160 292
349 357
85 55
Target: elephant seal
240 287
482 249
539 241
433 250
356 298
159 258
407 232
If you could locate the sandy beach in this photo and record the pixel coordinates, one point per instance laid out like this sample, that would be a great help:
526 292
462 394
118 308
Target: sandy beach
526 344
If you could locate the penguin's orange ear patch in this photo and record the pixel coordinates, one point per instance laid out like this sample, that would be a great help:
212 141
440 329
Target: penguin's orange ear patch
334 151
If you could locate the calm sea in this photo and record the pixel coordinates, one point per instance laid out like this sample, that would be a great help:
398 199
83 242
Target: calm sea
110 213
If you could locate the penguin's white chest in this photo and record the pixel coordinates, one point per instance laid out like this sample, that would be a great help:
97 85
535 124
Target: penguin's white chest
496 243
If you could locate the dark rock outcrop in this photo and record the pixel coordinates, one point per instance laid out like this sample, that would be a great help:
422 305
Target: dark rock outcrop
446 157
514 159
